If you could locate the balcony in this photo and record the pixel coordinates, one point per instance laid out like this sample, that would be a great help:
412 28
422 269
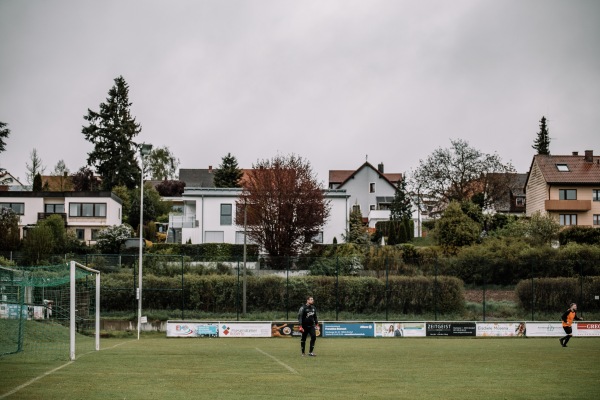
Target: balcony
568 205
42 216
182 221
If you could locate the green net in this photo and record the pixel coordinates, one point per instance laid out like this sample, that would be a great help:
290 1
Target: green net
35 309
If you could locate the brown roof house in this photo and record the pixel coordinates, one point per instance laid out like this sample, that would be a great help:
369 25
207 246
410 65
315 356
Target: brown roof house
566 187
370 189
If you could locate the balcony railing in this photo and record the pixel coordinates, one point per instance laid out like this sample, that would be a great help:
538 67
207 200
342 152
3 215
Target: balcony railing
568 205
182 221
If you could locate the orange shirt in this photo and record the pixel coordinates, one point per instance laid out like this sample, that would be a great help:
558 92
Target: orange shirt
568 317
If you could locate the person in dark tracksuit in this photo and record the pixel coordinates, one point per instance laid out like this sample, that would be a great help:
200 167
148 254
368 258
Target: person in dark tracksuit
308 320
567 322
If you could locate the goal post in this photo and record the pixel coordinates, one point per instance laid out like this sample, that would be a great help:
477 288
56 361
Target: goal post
73 310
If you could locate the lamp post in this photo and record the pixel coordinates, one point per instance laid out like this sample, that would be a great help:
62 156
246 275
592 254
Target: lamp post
144 151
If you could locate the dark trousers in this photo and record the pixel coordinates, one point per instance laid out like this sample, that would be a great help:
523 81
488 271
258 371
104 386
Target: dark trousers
308 330
569 331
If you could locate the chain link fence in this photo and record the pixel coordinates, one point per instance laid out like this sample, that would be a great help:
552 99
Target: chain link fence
181 285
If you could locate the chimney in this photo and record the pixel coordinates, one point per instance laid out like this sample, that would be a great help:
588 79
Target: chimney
575 153
210 169
589 156
380 167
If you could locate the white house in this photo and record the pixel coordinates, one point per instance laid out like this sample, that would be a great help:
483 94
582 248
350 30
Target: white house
209 217
85 213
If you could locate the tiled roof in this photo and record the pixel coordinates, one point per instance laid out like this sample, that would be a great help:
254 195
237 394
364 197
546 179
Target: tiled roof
197 177
341 176
579 171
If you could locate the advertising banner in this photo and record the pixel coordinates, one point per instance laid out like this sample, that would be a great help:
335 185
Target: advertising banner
248 329
586 329
501 329
192 329
365 329
450 329
535 329
289 329
399 329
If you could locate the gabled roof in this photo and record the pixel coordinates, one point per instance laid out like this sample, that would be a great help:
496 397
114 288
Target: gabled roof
580 170
195 177
342 176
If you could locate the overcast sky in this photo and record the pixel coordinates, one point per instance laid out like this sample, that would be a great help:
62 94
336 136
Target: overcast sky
331 81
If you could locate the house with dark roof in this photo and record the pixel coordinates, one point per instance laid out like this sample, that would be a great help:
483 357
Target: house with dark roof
371 190
198 178
566 187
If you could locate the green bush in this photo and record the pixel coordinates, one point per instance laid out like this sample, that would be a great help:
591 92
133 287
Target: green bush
222 294
555 294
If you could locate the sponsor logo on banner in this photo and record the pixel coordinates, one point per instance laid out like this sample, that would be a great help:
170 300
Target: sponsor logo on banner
366 329
501 329
231 329
450 329
191 329
587 329
544 329
399 329
289 329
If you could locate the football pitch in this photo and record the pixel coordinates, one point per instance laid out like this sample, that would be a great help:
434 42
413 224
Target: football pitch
156 367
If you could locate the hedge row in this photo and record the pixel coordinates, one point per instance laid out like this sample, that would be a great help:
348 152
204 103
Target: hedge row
555 294
222 293
206 251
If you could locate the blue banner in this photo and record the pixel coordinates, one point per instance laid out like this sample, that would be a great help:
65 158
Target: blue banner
365 329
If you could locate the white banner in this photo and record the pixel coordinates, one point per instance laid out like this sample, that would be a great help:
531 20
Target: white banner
545 329
240 329
586 329
192 329
501 329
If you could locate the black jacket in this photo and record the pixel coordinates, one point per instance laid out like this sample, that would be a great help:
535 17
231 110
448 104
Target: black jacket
307 316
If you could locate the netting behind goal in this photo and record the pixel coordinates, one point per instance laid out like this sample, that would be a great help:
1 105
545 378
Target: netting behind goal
49 311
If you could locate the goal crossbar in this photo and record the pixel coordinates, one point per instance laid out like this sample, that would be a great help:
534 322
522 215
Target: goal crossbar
72 323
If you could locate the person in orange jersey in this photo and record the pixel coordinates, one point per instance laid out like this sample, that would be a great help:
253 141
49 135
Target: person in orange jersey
567 322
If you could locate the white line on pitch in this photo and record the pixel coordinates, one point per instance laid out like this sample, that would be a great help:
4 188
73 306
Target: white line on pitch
15 390
292 370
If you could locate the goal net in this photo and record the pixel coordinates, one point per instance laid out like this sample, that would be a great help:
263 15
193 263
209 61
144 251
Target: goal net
49 311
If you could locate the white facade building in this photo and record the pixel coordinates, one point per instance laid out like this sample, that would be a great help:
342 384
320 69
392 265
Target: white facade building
209 216
85 213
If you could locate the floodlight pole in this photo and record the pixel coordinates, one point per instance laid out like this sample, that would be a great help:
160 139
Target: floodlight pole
144 151
244 270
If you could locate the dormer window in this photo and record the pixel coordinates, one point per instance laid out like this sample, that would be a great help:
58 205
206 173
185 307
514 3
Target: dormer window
562 167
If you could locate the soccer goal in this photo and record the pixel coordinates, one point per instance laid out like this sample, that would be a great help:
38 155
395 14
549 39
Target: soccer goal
49 310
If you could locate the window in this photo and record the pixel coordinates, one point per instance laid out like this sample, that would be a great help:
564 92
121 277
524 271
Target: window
226 214
596 219
80 233
214 237
568 219
596 194
318 238
54 208
371 207
372 187
567 194
87 210
520 201
18 208
562 167
95 233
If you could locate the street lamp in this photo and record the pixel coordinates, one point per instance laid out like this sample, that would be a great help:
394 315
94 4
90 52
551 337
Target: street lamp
144 151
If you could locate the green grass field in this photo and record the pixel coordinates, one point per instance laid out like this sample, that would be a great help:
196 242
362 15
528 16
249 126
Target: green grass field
413 368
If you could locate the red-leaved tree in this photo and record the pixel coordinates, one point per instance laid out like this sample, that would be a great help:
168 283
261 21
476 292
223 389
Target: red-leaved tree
284 205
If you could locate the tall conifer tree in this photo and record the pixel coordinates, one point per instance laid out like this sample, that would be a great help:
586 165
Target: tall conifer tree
542 141
112 130
228 174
